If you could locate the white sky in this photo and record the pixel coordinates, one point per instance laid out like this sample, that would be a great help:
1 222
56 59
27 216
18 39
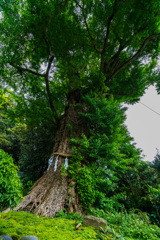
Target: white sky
144 124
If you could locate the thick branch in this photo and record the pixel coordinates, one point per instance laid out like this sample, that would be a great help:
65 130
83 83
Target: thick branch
21 69
113 61
145 43
46 81
107 33
88 30
116 55
48 88
48 43
49 98
49 65
91 37
107 36
105 43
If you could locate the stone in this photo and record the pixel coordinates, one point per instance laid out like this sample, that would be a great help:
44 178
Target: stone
95 222
5 237
29 237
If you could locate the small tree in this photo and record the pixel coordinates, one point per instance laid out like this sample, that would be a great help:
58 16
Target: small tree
10 185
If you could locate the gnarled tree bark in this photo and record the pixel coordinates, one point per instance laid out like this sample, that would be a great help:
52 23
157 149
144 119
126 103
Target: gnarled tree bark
51 193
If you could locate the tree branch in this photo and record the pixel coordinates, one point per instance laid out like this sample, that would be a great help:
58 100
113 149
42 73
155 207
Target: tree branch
113 59
49 65
50 99
107 36
46 81
88 30
21 69
48 88
147 40
146 25
47 43
91 37
116 54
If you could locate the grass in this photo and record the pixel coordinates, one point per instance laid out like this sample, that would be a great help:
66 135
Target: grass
18 224
120 226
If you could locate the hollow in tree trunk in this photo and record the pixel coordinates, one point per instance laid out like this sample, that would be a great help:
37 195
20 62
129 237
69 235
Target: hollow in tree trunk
51 193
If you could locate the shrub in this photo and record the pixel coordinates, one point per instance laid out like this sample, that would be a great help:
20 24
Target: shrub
132 225
154 197
10 185
85 186
71 215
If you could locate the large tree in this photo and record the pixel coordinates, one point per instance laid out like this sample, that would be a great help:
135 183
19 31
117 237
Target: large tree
65 49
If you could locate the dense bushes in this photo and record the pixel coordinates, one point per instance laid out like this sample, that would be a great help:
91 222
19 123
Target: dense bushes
27 133
132 225
10 185
106 165
104 154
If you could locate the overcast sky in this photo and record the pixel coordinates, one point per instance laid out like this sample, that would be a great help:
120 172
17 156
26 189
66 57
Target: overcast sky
144 124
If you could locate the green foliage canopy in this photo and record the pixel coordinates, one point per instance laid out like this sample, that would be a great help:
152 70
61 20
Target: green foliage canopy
106 156
27 133
60 46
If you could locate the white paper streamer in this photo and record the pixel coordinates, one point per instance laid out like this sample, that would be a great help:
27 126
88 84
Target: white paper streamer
56 164
66 163
50 162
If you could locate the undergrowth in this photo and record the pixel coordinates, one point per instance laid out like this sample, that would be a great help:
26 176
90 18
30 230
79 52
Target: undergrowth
18 224
132 225
120 226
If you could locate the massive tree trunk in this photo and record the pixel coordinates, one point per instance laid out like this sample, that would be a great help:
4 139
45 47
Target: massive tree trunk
51 192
